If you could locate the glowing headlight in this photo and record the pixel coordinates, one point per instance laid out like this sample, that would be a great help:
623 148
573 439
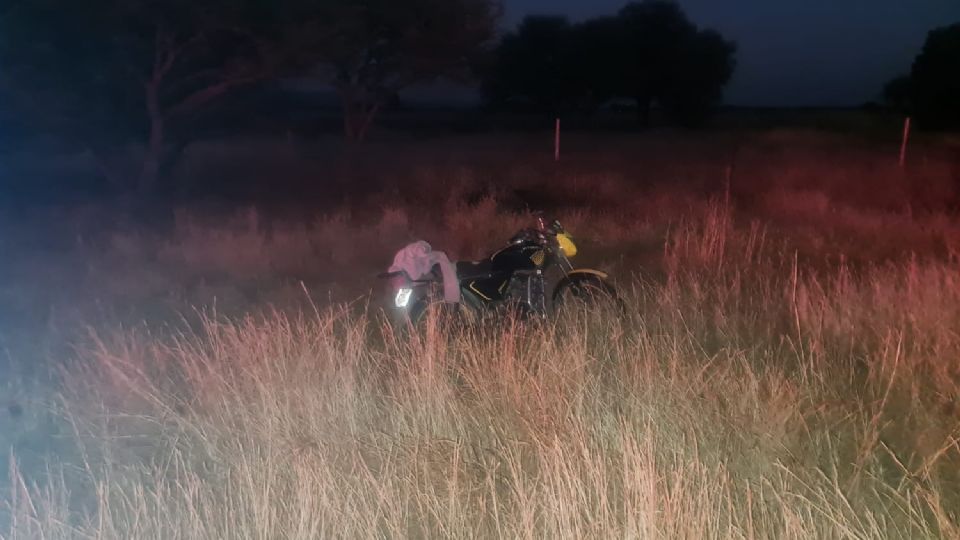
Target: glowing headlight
403 298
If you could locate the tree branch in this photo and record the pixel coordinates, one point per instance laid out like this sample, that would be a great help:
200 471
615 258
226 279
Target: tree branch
167 52
158 55
205 95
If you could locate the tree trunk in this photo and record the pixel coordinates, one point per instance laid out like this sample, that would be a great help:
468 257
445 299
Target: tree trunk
109 169
350 124
153 152
369 114
348 104
171 156
358 115
347 125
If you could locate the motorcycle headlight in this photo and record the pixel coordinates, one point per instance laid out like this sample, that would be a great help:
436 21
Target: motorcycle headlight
566 244
403 298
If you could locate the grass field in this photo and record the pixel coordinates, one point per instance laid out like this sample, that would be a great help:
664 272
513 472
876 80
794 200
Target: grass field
788 366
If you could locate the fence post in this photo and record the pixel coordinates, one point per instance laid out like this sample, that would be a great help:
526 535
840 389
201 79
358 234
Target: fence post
556 142
903 146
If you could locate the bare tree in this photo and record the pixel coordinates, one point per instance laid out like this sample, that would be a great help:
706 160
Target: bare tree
103 71
376 48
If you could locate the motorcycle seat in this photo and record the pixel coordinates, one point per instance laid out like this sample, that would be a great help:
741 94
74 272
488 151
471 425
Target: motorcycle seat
474 269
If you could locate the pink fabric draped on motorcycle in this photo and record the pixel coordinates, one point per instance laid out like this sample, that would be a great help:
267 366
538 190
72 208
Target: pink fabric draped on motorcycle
418 260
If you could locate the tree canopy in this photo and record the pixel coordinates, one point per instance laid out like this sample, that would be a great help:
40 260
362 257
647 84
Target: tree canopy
935 79
649 52
375 48
532 63
931 92
107 71
898 93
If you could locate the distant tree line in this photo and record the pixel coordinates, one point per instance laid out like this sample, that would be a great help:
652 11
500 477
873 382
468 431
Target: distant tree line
931 91
649 53
106 72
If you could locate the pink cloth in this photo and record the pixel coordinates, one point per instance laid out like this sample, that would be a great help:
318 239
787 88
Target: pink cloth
418 260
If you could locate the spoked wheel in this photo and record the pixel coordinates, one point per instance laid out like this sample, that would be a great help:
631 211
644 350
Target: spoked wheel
592 295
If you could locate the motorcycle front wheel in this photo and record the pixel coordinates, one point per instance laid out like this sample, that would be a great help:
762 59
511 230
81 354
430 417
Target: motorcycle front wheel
591 294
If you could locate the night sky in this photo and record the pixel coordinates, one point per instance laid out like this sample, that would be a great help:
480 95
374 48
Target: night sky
798 52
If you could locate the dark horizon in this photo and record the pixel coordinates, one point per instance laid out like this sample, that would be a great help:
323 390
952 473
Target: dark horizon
796 53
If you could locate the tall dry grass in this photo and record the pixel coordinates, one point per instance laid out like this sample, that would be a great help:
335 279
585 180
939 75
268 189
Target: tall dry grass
746 395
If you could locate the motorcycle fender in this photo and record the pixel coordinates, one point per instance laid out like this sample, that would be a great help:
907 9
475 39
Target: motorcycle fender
579 276
584 272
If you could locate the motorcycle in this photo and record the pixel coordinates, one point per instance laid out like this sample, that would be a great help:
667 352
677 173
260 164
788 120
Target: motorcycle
532 275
